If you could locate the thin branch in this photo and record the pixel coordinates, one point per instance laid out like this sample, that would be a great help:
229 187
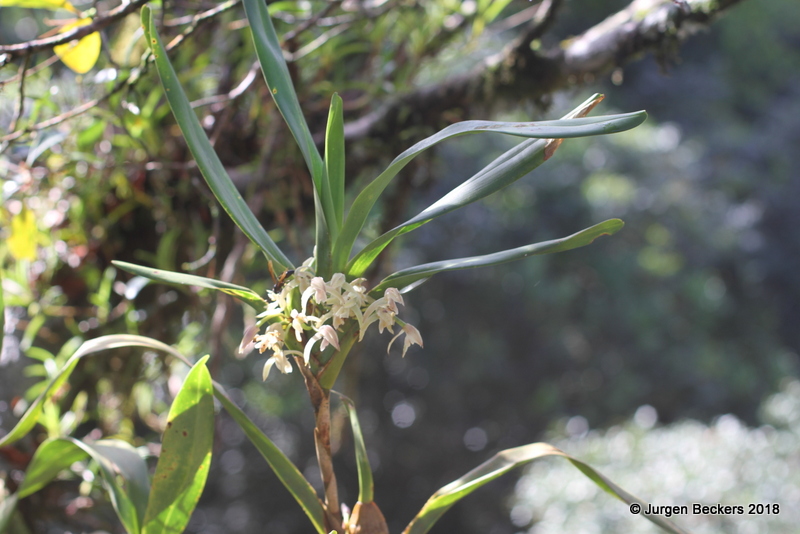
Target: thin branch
47 43
234 93
199 18
21 103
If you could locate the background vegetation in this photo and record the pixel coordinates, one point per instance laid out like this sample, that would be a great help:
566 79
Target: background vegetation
691 310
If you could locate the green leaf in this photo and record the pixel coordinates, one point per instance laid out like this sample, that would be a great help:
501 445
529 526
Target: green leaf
334 163
501 463
279 81
207 160
124 473
185 458
31 416
8 506
365 483
40 4
245 294
52 457
527 155
283 467
406 277
286 471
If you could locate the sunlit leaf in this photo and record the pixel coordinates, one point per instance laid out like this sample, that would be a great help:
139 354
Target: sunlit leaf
39 4
246 295
406 277
334 162
500 464
185 458
24 236
81 55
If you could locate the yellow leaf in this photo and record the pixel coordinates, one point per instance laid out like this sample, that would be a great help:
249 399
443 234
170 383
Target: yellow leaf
23 239
79 56
39 4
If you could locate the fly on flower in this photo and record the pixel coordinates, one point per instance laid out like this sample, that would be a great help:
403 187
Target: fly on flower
279 280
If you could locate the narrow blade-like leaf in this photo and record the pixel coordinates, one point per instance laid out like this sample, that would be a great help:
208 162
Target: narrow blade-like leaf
286 471
500 464
276 74
207 160
185 458
334 163
365 483
563 128
406 277
245 294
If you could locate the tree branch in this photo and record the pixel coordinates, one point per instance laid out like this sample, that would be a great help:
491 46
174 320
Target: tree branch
46 43
644 26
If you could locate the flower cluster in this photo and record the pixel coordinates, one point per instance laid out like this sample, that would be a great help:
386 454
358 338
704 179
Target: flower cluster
310 310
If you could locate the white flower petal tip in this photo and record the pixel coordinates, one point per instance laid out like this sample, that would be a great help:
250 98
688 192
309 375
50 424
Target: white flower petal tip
329 337
248 340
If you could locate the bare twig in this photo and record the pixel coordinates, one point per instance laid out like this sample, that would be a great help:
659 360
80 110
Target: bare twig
21 101
98 23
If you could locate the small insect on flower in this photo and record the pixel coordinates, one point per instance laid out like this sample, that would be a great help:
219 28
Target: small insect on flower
279 280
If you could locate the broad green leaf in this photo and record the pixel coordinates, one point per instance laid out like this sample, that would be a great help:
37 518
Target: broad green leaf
559 129
406 277
124 473
286 471
246 295
31 416
334 163
207 160
185 457
51 457
131 467
279 81
500 464
81 55
365 483
40 4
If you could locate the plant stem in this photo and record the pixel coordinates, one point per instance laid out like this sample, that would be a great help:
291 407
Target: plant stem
321 402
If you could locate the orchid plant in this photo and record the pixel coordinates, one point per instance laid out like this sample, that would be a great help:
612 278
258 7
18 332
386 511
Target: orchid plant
312 317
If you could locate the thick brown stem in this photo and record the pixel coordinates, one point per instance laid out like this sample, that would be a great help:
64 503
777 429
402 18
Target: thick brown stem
320 400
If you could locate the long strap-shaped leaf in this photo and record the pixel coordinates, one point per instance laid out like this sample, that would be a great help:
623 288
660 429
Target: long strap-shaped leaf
501 463
286 471
207 160
504 170
406 277
564 128
365 482
276 74
245 294
300 489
